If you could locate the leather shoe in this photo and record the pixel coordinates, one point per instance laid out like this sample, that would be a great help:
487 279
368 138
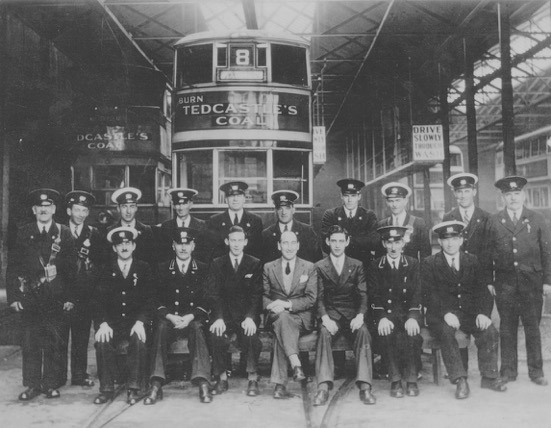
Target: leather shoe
220 387
103 397
412 390
367 397
29 394
321 397
541 381
493 384
52 393
85 382
156 393
298 374
396 389
462 391
205 395
280 391
132 396
252 388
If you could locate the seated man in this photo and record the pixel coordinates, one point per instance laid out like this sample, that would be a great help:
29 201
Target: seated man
342 304
182 312
235 284
122 306
290 293
456 297
396 294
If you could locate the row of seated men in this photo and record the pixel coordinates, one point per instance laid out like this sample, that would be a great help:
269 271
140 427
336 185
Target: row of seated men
457 287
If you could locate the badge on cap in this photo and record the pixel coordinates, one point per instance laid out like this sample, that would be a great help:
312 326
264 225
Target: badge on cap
43 197
394 232
513 185
350 186
463 182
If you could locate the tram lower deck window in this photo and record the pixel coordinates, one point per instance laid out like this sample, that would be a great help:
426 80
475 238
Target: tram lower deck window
247 166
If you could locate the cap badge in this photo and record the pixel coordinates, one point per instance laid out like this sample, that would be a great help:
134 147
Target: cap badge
350 185
43 197
128 196
235 187
393 232
181 194
122 234
82 198
463 182
394 190
283 198
449 229
513 184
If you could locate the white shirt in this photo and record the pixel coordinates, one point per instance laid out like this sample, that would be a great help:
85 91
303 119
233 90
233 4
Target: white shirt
183 265
238 258
289 226
78 226
349 213
122 264
42 225
183 223
394 263
131 224
291 265
469 211
510 212
338 262
455 259
399 219
233 213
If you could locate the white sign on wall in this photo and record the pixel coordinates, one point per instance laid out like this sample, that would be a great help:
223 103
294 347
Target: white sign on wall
318 141
428 143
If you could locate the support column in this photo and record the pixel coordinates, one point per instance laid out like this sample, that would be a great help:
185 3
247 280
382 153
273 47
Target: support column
4 149
428 196
445 120
471 110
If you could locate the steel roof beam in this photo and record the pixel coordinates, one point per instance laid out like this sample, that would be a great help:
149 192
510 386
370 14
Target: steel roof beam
249 11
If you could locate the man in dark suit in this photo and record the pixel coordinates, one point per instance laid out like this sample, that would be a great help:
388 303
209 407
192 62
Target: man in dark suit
122 308
127 200
360 223
40 277
90 255
520 255
182 311
457 298
284 201
219 224
396 295
182 202
416 239
342 304
290 293
235 284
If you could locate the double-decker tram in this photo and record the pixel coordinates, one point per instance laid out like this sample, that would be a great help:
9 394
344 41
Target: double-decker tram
242 111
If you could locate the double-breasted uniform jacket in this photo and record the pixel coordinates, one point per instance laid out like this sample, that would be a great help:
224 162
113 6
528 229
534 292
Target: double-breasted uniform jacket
395 293
525 248
203 247
235 295
182 294
475 239
119 301
309 243
220 224
362 229
145 243
417 243
464 294
33 250
303 292
343 296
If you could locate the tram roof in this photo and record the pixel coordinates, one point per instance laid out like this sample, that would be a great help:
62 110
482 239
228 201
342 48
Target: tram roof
245 34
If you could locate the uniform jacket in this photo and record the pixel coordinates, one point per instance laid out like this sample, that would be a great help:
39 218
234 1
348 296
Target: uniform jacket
25 263
235 295
309 244
362 229
220 224
203 246
304 288
145 244
418 246
464 294
525 247
181 294
118 300
343 296
395 294
475 240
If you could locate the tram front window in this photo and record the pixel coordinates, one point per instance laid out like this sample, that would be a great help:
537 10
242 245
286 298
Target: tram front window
291 173
106 179
195 170
194 65
289 65
249 167
143 178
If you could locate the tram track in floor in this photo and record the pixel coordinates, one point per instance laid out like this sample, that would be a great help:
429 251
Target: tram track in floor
109 411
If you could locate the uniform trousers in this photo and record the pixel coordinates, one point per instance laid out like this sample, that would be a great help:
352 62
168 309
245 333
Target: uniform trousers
520 296
251 346
402 353
166 334
325 366
76 325
106 356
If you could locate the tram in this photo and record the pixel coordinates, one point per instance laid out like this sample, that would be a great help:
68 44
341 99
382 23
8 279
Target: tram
242 111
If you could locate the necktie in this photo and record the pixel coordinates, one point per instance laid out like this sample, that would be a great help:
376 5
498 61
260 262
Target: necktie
236 220
125 270
350 215
453 266
75 232
286 228
183 269
395 265
466 217
515 219
235 265
338 267
43 230
288 269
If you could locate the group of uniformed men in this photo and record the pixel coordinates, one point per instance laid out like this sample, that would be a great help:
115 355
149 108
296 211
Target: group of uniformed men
211 281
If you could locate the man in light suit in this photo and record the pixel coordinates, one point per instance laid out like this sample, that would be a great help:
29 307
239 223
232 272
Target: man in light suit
290 293
342 304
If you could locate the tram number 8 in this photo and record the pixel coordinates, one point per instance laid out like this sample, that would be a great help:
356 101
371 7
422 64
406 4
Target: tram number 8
242 57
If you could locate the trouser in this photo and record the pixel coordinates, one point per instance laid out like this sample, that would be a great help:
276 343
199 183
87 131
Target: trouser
77 325
166 334
325 366
106 356
402 353
251 346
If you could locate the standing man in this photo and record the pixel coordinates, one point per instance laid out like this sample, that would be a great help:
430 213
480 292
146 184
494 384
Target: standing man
360 223
90 253
182 311
219 224
40 278
416 239
122 309
520 251
235 284
127 205
290 293
457 299
342 304
284 201
396 292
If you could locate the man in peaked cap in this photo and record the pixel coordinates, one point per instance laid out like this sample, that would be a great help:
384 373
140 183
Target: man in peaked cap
519 273
456 298
416 239
182 202
122 308
360 222
127 199
182 311
284 202
40 277
219 224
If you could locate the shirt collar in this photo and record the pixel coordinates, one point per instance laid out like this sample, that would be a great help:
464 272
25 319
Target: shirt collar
518 213
336 260
183 223
181 263
41 226
122 263
401 218
78 226
469 211
239 214
449 259
282 226
291 264
239 258
350 213
131 224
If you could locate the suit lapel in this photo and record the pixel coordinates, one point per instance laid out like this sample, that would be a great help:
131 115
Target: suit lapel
345 274
330 270
278 273
299 268
445 267
506 221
